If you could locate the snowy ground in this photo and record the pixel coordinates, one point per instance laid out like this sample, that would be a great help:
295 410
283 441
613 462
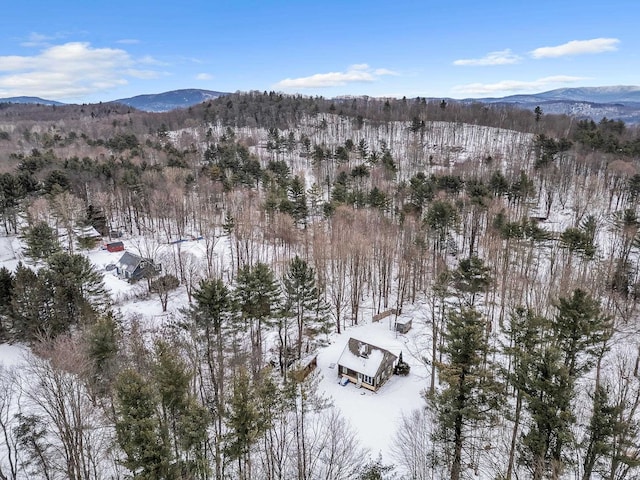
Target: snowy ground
12 355
10 252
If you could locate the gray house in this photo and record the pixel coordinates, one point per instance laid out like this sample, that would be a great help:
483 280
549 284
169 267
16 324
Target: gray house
132 267
365 365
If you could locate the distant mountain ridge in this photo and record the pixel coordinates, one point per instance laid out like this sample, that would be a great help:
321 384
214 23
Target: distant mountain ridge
155 102
36 100
614 94
617 102
163 102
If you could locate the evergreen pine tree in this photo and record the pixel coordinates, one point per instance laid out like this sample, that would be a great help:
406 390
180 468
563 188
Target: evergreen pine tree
567 349
376 470
255 402
11 192
78 291
6 286
548 391
470 279
298 198
243 421
138 428
525 332
6 292
30 305
441 218
102 343
259 301
579 328
178 409
303 301
600 432
212 314
41 241
37 451
470 390
315 199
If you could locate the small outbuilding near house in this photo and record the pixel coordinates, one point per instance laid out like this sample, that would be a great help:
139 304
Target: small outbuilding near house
86 233
115 247
366 365
132 267
303 367
403 325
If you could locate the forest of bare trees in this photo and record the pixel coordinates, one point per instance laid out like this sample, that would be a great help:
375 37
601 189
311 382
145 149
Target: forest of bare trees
516 235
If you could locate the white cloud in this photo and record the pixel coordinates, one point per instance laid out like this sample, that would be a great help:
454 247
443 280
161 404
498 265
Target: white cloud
358 73
502 57
577 47
149 60
69 70
204 76
197 61
385 71
359 66
37 40
514 86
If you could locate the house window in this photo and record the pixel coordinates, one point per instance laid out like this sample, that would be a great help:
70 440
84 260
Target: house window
366 379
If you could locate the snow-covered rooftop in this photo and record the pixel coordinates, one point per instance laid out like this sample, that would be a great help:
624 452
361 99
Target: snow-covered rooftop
363 357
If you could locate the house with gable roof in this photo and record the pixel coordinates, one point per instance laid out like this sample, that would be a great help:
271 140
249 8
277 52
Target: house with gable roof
132 267
366 365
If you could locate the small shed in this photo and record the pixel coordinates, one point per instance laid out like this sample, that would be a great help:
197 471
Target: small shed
305 366
403 325
366 365
132 267
115 247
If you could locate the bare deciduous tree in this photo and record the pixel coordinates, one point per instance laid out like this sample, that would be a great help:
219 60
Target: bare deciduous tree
80 433
413 446
9 406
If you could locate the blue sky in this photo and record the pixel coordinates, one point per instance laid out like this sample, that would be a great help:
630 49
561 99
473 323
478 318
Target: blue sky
86 51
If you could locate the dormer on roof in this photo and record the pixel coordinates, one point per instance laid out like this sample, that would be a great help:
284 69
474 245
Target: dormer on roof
365 364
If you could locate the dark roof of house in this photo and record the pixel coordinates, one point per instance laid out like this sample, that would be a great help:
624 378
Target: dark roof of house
129 262
365 358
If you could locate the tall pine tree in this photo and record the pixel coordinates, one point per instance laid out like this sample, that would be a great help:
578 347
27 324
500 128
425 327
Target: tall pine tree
212 321
567 349
41 241
303 301
259 300
138 428
548 392
470 391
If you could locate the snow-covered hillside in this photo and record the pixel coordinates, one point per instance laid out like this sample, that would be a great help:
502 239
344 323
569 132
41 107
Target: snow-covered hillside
460 227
